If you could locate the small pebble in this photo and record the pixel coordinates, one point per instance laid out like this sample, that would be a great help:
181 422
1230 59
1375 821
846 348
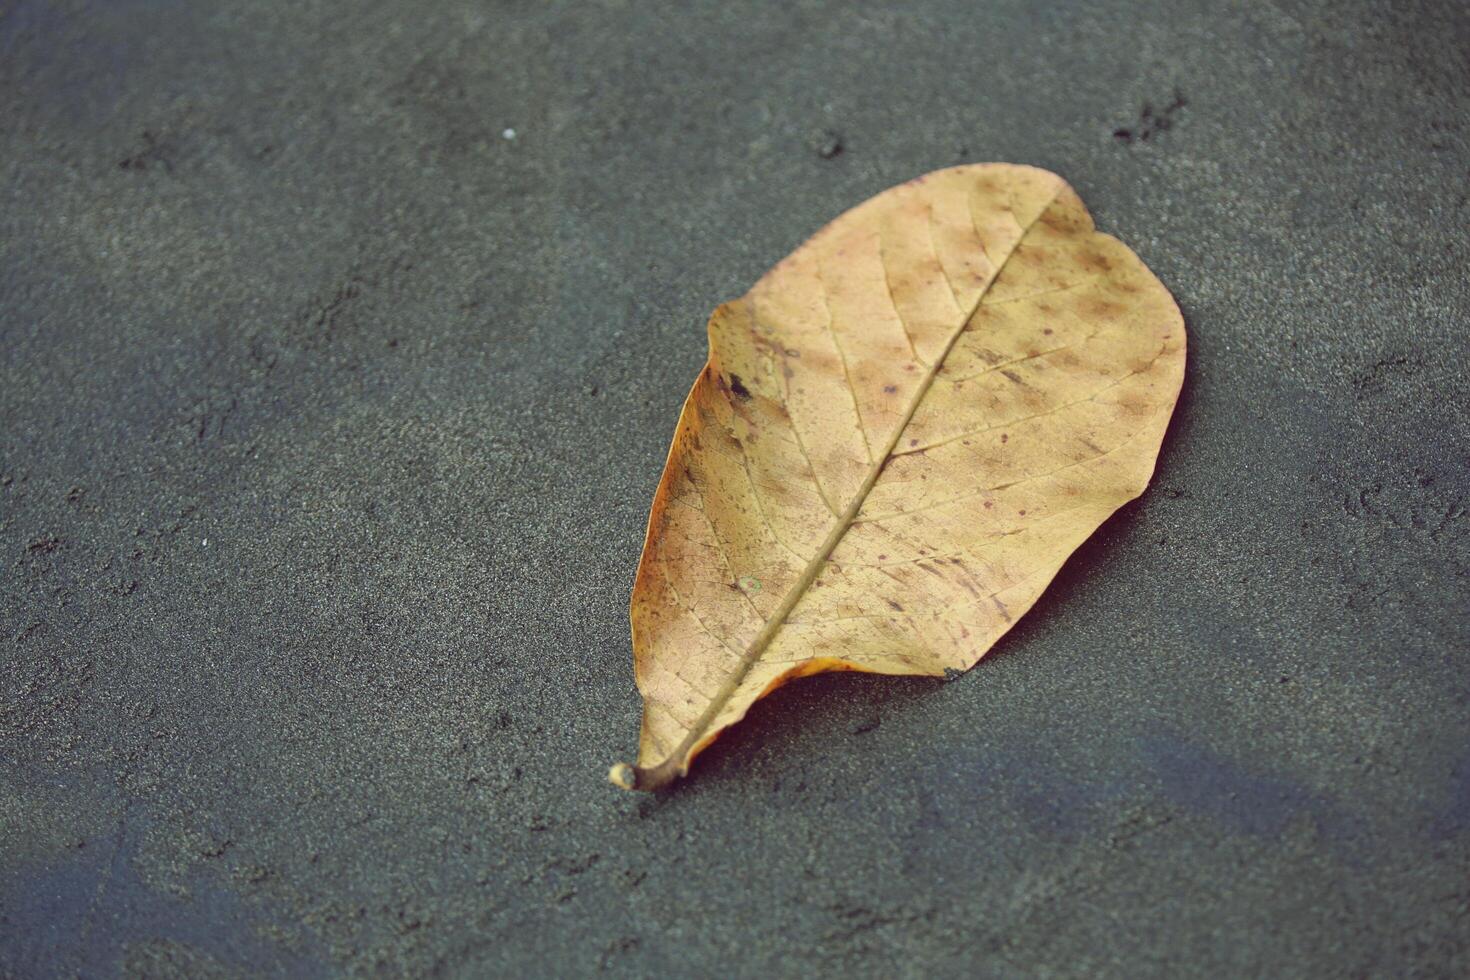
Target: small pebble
509 134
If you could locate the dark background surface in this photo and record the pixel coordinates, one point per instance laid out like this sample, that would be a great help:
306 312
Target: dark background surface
332 415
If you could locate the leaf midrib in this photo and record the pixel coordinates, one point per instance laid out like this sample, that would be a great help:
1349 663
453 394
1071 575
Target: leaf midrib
665 771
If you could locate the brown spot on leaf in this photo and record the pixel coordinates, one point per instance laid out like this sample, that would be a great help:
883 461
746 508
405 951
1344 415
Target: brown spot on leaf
1098 308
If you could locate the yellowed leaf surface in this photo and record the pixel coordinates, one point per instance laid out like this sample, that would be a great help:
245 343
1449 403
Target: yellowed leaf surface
902 432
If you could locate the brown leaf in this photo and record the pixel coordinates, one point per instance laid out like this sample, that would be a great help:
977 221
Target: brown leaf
902 432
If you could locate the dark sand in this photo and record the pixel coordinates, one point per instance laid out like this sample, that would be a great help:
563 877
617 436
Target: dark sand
331 418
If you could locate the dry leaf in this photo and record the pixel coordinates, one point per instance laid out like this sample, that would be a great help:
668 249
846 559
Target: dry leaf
902 432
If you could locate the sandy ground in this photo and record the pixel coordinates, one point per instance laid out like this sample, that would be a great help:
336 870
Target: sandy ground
331 414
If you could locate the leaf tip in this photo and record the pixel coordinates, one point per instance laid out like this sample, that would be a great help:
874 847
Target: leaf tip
622 776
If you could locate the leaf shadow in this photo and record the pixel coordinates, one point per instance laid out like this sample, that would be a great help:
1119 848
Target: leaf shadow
841 706
1183 416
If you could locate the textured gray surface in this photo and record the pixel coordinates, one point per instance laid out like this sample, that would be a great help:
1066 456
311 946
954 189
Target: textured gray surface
331 417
